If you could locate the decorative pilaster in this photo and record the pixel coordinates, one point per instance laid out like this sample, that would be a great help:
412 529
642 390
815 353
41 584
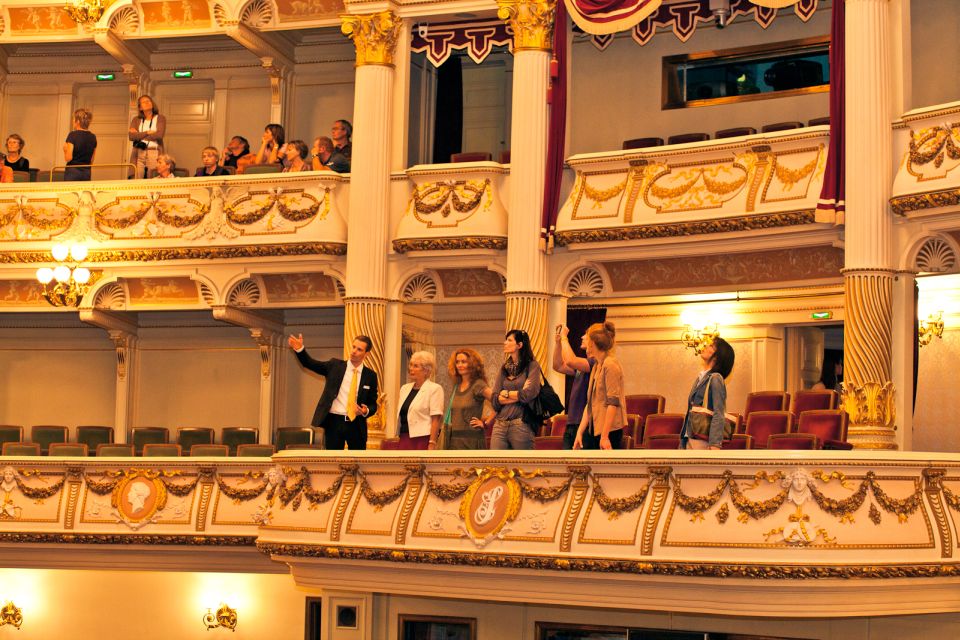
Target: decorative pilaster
532 24
375 38
128 353
868 388
272 380
393 375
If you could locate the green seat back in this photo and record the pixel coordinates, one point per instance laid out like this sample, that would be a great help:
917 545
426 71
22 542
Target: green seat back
46 434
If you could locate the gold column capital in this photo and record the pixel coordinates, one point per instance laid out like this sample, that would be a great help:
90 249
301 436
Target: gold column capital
374 35
531 21
872 412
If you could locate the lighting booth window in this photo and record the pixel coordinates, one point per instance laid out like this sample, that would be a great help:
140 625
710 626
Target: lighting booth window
416 627
748 73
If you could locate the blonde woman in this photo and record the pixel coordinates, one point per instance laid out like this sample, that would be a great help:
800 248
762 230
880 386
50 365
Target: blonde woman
80 147
601 426
421 404
469 404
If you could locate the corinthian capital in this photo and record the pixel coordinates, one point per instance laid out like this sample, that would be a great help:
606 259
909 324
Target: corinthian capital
374 36
531 21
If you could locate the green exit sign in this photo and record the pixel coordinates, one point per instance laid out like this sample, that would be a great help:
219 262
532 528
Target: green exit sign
183 74
821 315
105 77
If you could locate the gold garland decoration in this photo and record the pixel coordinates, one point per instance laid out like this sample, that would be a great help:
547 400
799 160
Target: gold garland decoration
446 491
697 505
544 494
755 509
901 507
293 215
39 493
239 495
944 143
11 213
616 507
178 222
668 193
46 224
122 223
103 487
599 196
723 188
380 499
463 196
179 490
791 177
952 499
294 494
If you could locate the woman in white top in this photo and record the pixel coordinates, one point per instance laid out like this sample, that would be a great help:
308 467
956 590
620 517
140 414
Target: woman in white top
421 404
146 132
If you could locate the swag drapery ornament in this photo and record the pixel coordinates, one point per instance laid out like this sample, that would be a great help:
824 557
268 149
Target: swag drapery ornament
603 18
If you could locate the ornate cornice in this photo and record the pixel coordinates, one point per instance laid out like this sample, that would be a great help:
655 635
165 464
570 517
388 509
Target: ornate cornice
902 205
106 538
686 569
531 21
696 227
374 36
448 244
188 253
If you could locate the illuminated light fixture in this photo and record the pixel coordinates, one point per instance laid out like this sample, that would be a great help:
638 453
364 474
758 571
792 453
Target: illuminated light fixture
698 332
65 285
821 315
932 326
224 617
182 74
11 614
87 12
106 77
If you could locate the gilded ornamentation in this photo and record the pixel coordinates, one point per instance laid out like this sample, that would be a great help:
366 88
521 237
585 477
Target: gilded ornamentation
874 514
238 494
902 205
492 501
952 499
462 196
293 494
446 491
698 187
12 479
790 177
284 204
531 21
599 196
380 499
934 144
188 253
449 244
615 507
723 513
165 213
374 36
697 227
27 218
870 404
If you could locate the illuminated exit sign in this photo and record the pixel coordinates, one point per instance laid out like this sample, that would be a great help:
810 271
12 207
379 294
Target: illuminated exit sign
821 315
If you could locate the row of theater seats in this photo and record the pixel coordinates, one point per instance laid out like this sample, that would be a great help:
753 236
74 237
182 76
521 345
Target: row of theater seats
149 441
683 138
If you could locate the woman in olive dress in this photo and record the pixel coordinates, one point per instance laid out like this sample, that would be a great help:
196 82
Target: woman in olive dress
470 401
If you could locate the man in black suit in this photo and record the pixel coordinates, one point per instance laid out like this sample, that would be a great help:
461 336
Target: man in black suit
349 394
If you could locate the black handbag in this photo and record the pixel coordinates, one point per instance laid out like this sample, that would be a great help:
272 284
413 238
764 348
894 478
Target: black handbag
546 405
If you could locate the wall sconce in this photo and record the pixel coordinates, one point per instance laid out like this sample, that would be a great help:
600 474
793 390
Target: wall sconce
11 614
932 326
71 282
87 12
698 339
224 617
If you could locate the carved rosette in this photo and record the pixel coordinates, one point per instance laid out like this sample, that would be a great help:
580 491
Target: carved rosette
374 36
531 21
368 317
528 311
868 394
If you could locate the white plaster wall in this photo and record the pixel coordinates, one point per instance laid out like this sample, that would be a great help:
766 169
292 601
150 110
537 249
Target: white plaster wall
615 94
935 50
32 111
323 338
57 376
248 110
321 96
935 415
119 605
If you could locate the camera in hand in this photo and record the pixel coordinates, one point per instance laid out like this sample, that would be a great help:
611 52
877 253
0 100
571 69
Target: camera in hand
139 144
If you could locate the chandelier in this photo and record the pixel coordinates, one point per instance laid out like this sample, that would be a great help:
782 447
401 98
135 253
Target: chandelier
66 284
86 12
930 328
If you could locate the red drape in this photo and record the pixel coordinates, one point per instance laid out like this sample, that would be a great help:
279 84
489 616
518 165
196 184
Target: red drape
832 194
609 16
556 129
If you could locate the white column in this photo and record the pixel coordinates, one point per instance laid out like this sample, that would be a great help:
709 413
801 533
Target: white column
393 375
128 374
904 338
401 98
556 314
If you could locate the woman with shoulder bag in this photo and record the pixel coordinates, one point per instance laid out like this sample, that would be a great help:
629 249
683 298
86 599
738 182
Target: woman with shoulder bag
517 384
471 395
146 132
421 405
604 415
704 424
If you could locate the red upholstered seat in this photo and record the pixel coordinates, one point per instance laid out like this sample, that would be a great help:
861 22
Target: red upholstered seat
505 157
472 156
816 122
734 132
829 425
558 424
781 126
643 405
544 443
662 441
763 424
684 138
812 400
659 424
793 441
766 401
642 143
739 441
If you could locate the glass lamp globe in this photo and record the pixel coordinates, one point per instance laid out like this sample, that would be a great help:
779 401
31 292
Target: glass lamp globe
60 252
44 275
61 273
81 275
79 252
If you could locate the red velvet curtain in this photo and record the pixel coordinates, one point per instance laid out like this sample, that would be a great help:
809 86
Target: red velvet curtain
832 194
556 128
609 16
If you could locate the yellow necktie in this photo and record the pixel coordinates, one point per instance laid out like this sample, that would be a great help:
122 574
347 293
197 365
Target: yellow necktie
352 397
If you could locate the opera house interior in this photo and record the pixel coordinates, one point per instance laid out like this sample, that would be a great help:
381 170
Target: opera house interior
768 179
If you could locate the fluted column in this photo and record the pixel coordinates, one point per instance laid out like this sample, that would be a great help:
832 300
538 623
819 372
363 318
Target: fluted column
374 37
128 371
532 23
868 275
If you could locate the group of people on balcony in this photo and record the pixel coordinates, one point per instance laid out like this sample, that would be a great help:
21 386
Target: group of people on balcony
596 410
147 155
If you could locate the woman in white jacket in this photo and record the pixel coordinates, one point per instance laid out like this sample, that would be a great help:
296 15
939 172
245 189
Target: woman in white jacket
421 405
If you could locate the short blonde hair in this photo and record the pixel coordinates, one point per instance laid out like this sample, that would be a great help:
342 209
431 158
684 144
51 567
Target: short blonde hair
83 116
426 360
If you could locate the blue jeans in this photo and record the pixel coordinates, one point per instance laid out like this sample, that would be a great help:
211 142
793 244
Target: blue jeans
511 434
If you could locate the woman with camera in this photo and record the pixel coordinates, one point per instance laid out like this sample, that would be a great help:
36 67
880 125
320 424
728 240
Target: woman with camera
146 133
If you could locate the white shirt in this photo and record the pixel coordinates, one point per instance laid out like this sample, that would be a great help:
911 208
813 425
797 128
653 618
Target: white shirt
149 126
427 403
339 405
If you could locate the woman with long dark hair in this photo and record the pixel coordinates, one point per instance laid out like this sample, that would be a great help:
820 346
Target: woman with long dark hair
517 384
831 376
273 138
146 132
716 362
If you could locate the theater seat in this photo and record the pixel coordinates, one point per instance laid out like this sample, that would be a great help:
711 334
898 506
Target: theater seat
734 132
68 449
287 436
558 424
20 449
659 424
738 441
766 401
255 450
233 437
763 424
10 433
115 450
793 441
643 405
94 435
141 436
816 122
642 143
214 450
505 157
47 434
685 138
781 126
162 450
189 436
829 425
662 441
471 156
544 443
390 444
